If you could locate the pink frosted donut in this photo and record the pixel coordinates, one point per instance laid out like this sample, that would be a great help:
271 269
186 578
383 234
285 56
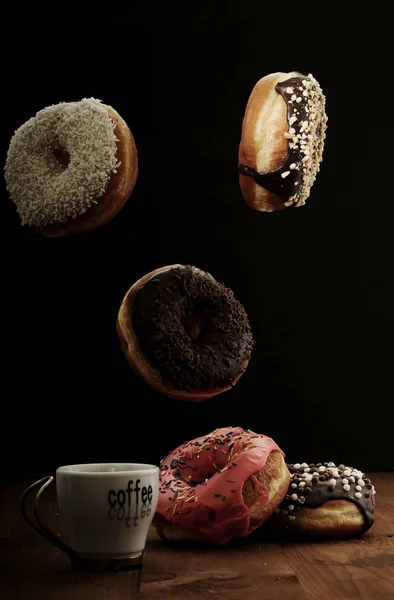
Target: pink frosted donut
220 486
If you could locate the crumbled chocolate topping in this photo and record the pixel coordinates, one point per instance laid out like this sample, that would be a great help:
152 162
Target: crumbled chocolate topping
192 329
322 482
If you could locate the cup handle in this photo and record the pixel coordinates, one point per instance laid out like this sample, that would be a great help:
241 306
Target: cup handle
38 525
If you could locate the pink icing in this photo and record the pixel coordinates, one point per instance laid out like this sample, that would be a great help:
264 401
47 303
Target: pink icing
201 483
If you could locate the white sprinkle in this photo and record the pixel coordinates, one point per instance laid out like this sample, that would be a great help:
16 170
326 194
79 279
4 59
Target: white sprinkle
346 487
299 99
294 486
302 484
358 495
293 166
358 488
335 474
291 507
347 473
352 479
285 174
332 482
294 497
304 464
294 97
289 90
322 469
292 120
344 481
292 517
361 482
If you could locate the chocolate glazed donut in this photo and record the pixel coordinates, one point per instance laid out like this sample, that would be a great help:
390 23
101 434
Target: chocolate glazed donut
184 333
325 500
282 141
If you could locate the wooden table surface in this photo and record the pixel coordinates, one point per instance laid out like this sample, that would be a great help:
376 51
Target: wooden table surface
257 568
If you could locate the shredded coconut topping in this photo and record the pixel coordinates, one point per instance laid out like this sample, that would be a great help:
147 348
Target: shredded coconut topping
44 190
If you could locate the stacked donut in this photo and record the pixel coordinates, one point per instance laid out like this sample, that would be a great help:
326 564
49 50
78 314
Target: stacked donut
220 486
325 500
226 484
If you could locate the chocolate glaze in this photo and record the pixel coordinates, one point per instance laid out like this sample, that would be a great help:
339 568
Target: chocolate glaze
321 491
191 329
284 187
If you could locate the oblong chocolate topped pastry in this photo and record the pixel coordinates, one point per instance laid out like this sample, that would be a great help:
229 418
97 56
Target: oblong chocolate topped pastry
282 141
325 500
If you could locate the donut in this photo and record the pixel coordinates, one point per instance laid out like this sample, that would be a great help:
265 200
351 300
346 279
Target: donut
184 333
220 487
325 500
71 168
282 141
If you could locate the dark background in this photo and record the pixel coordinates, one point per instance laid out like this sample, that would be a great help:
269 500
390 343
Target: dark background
315 281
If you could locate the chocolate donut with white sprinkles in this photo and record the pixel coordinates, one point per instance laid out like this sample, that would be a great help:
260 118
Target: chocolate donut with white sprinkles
325 500
184 333
282 141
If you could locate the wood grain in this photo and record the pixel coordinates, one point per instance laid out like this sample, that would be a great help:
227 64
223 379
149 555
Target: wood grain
257 568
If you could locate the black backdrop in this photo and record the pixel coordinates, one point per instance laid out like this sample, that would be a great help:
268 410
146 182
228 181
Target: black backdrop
315 281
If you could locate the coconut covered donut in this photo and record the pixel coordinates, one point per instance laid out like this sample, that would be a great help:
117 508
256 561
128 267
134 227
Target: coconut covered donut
184 334
282 141
220 487
325 500
71 168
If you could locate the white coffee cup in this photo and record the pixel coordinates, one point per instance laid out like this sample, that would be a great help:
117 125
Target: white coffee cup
107 509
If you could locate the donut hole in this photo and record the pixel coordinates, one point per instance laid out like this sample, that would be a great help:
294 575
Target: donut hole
193 325
62 156
198 322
